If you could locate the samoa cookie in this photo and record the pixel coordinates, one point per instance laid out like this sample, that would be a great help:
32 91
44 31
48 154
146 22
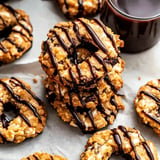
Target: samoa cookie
79 8
29 112
127 142
147 104
15 33
89 110
81 52
43 156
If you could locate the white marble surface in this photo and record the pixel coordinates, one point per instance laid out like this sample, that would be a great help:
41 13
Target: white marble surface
58 137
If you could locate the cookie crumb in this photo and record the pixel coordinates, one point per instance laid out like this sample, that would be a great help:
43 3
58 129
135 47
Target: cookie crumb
42 76
35 80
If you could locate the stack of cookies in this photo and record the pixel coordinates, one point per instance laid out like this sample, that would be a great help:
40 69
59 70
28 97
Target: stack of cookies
81 59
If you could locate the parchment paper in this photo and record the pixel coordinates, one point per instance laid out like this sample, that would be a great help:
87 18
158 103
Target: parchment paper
58 137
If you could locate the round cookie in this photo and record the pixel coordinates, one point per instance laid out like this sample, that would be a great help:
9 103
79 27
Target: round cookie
28 111
147 104
79 8
15 33
90 109
43 156
81 52
127 142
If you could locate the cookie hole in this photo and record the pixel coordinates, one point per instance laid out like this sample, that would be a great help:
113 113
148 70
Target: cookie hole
82 52
5 33
9 113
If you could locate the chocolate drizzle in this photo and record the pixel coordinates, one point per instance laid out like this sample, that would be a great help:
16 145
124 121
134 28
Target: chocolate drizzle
72 54
17 98
3 48
124 130
5 121
157 100
148 150
118 140
89 112
53 59
94 36
107 34
152 117
9 29
35 157
19 49
19 83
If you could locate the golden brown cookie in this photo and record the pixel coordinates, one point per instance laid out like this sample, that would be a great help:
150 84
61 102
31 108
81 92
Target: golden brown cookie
89 109
147 104
81 52
43 156
29 112
127 142
80 8
15 33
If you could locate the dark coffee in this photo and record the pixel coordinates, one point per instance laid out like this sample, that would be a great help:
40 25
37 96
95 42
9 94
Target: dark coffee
137 22
138 8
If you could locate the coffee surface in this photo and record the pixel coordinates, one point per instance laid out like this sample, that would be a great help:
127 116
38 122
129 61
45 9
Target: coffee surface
138 8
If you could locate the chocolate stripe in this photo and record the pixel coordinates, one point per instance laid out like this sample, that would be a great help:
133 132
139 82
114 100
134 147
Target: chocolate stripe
154 118
24 27
13 30
25 119
35 157
124 130
5 121
28 90
19 49
89 112
52 57
107 79
3 48
151 96
118 140
110 36
94 36
4 22
148 150
16 97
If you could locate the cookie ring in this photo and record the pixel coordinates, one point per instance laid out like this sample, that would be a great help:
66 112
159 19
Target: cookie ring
79 8
147 104
29 112
80 52
90 110
43 156
16 30
127 142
